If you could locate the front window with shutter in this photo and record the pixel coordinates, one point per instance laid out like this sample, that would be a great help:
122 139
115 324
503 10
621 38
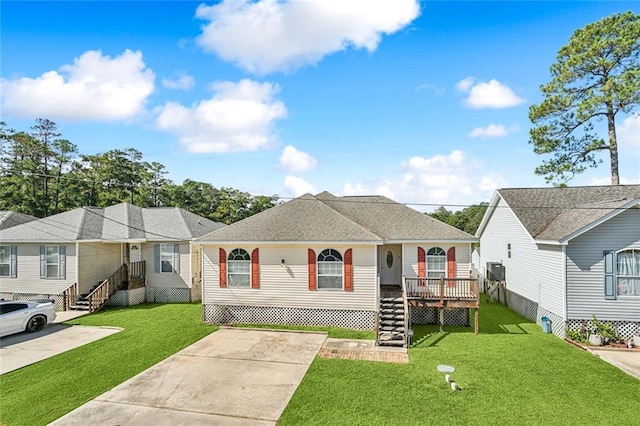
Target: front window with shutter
168 258
330 269
8 261
239 268
436 263
52 262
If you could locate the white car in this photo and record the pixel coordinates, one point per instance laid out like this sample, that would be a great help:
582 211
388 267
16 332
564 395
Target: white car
30 316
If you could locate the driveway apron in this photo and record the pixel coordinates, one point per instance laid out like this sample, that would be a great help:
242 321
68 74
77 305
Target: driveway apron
232 376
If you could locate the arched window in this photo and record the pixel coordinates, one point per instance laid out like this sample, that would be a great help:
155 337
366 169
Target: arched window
436 263
330 269
239 268
628 272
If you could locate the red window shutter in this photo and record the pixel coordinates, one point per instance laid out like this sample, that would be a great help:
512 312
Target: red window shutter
348 270
312 270
223 268
451 264
422 263
255 269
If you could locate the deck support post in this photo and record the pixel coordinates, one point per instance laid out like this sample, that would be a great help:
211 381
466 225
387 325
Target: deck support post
476 326
441 319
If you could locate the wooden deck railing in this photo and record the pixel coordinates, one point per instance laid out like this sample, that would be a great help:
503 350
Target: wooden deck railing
407 325
70 296
442 288
137 270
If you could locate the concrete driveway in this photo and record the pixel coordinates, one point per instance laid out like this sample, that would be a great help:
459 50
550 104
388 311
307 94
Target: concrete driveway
20 350
626 360
231 377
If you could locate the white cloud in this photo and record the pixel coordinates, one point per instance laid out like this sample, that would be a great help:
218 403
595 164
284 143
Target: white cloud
296 161
182 82
436 89
269 35
94 87
452 179
493 131
465 85
629 132
492 94
605 181
238 117
296 186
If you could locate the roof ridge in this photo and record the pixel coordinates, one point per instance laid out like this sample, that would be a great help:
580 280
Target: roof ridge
337 199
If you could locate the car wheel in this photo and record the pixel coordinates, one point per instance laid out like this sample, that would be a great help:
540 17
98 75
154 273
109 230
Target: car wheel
36 323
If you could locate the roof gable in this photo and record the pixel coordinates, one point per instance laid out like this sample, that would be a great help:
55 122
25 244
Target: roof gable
10 218
559 213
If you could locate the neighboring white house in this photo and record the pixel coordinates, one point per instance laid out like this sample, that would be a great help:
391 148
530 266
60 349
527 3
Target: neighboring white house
322 260
569 253
9 219
86 245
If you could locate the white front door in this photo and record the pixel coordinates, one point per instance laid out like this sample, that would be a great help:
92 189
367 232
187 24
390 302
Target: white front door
390 264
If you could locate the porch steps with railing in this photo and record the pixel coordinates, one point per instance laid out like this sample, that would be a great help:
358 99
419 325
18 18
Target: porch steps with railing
82 302
392 328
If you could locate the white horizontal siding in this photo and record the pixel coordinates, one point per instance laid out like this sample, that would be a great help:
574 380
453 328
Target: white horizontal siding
156 279
28 277
533 272
410 258
97 261
585 270
288 286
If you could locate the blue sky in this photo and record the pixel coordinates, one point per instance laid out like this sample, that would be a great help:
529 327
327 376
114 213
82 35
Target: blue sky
424 102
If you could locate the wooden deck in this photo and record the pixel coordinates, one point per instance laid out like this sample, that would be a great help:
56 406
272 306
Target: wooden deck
443 293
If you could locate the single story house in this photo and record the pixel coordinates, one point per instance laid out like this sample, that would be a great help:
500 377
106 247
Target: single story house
325 260
87 245
568 253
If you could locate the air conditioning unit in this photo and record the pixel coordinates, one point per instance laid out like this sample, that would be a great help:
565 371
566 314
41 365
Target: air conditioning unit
495 271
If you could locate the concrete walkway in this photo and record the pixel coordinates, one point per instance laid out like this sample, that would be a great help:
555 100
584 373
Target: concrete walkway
231 377
626 360
20 350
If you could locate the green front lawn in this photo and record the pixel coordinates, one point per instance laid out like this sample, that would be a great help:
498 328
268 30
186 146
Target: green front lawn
510 374
42 392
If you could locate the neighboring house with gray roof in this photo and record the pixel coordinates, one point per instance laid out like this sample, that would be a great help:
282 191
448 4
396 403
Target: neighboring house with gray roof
323 259
568 253
88 244
11 218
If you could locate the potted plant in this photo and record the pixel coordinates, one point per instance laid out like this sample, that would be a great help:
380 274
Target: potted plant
593 332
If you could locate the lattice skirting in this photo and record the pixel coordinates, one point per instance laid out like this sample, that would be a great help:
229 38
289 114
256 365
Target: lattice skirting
625 329
128 297
168 295
428 315
58 302
223 314
534 312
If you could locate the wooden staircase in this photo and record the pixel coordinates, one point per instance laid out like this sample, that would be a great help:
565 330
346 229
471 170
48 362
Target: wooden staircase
392 322
100 294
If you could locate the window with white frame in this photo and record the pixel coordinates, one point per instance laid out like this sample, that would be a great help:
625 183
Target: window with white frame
436 263
167 258
239 268
330 269
52 262
8 261
628 272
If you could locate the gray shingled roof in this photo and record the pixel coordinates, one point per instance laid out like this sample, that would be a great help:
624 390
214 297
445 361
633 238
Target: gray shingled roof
10 218
556 213
120 222
325 217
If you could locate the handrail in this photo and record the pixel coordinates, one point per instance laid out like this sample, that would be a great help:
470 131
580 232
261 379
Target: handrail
69 296
107 288
442 288
407 339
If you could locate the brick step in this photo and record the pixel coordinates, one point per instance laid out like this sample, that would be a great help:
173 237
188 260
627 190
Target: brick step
79 307
386 336
398 311
391 300
390 343
392 328
392 317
